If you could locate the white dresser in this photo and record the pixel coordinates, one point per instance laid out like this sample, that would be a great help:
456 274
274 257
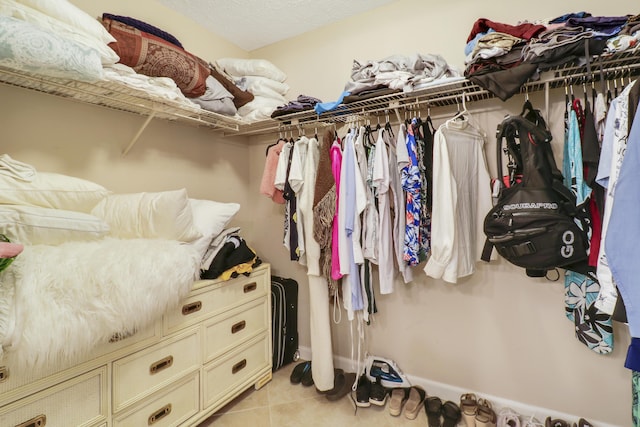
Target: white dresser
192 362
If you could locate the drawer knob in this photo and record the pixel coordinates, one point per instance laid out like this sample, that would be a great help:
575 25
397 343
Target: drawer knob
191 308
250 288
4 373
238 327
159 414
39 421
239 366
161 365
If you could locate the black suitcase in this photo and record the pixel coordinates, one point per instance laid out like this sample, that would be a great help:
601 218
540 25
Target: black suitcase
284 321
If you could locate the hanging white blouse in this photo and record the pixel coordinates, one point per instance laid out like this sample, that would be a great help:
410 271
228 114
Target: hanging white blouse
381 178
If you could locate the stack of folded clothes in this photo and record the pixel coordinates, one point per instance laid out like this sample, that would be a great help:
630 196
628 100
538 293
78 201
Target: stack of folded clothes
302 103
502 57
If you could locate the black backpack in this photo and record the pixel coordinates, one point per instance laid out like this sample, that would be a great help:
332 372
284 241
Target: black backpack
535 223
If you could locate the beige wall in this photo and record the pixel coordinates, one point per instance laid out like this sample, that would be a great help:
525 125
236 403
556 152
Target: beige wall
497 332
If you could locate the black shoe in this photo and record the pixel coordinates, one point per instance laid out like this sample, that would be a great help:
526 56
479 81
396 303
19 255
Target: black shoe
378 394
363 390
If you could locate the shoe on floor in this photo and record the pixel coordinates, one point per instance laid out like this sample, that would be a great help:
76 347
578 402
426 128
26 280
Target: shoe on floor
378 393
298 372
508 418
556 422
433 409
469 407
532 422
451 414
397 398
342 386
338 377
584 423
307 377
363 390
485 415
414 402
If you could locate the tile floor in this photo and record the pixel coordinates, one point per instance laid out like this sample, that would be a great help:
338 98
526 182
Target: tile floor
282 404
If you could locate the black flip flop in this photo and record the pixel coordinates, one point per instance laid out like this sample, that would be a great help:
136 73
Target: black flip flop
433 408
298 372
451 414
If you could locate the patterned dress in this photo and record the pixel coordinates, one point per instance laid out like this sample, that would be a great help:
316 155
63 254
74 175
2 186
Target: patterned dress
412 183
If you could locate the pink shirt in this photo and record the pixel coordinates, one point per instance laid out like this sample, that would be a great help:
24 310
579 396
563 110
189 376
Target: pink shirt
269 175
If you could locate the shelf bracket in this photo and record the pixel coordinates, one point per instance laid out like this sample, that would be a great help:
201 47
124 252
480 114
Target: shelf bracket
137 135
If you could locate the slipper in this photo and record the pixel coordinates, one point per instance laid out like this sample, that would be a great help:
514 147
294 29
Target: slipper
451 414
396 401
338 377
469 407
414 402
433 408
485 415
298 371
345 381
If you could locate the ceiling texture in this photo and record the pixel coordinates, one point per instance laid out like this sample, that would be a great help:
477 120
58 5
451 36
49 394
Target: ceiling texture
252 24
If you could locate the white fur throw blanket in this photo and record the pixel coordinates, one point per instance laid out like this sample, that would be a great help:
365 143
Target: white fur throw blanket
58 302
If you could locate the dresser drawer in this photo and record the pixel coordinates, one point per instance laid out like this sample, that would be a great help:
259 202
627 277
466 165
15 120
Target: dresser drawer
145 372
209 298
169 407
80 401
222 376
225 332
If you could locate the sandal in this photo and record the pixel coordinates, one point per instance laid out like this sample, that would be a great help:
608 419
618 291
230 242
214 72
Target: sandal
469 408
451 414
398 397
414 402
485 415
433 408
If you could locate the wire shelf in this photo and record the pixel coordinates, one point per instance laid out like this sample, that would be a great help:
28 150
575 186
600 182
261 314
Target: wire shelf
117 96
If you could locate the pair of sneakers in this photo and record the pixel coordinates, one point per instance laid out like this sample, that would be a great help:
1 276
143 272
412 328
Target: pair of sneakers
368 393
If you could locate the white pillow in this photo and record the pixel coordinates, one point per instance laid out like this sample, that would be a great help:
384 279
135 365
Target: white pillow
161 215
33 16
52 190
239 67
210 218
256 83
32 225
66 12
27 47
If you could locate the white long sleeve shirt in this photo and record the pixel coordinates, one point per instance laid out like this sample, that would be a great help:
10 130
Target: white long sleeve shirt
461 200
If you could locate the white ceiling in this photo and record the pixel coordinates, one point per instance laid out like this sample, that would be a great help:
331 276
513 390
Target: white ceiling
251 24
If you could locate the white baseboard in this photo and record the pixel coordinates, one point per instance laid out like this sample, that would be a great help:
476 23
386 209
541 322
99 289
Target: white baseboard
449 392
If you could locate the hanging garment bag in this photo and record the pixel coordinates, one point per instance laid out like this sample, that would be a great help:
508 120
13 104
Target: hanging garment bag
284 325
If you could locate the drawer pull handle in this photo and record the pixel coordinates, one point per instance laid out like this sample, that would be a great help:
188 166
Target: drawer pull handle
161 365
238 327
39 421
191 308
4 373
159 414
239 366
250 288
